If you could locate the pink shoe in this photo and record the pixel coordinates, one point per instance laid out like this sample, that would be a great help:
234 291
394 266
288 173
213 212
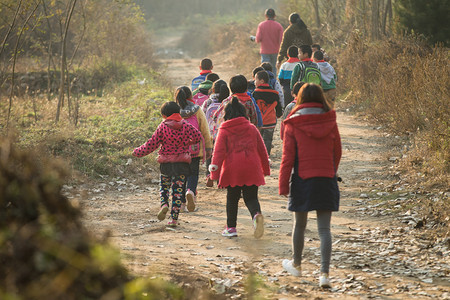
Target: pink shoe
229 232
172 223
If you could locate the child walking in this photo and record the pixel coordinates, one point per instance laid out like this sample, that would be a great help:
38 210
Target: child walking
328 77
174 135
193 114
286 73
240 163
312 149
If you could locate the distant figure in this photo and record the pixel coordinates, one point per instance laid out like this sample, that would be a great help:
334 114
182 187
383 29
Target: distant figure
316 47
205 67
219 92
269 34
311 155
285 74
269 104
193 114
328 75
174 135
273 82
306 70
240 163
296 34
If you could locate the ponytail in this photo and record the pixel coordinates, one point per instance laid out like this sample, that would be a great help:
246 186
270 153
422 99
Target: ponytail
182 94
235 109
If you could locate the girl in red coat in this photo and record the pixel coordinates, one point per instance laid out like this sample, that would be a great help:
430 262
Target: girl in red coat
239 163
312 149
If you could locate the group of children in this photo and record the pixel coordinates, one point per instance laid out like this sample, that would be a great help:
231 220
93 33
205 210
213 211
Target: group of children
231 127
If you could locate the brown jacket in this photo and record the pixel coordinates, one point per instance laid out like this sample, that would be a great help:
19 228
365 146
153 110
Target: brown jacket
293 36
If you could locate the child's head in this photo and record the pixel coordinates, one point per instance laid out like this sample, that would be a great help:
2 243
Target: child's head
292 51
234 109
256 70
311 92
297 86
318 55
267 66
206 64
305 51
315 47
212 77
182 94
169 108
261 77
238 84
220 87
270 13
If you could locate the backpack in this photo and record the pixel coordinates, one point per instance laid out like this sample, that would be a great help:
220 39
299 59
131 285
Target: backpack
312 75
194 149
267 111
199 98
212 108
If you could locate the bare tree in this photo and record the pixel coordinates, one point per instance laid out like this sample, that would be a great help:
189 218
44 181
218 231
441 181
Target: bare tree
375 27
63 64
316 13
387 12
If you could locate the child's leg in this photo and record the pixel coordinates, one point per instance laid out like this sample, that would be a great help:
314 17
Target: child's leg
233 196
298 236
267 135
192 179
178 191
164 187
323 226
250 194
287 94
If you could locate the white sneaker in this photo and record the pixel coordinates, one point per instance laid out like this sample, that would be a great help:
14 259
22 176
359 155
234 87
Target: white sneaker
183 208
288 265
324 281
190 200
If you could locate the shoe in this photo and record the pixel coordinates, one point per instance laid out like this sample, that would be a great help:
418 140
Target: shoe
229 231
162 212
258 225
288 265
209 181
324 281
190 199
172 223
183 208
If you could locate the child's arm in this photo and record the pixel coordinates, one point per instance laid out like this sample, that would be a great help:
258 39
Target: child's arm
259 122
337 149
295 75
220 150
151 145
262 152
287 162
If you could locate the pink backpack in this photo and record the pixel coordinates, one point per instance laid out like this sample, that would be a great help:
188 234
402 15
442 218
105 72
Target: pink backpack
199 98
194 149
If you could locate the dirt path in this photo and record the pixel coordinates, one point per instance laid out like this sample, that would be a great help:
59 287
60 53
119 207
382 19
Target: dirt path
376 254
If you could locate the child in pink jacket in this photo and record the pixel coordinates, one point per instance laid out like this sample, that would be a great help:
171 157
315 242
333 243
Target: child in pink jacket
175 136
239 163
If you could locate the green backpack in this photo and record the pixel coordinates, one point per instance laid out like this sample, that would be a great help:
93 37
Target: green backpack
312 75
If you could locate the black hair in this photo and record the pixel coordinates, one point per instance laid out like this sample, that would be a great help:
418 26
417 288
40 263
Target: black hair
297 86
170 108
206 64
256 70
316 46
182 94
212 77
270 13
234 109
306 49
292 51
267 66
220 87
238 84
318 55
294 18
263 75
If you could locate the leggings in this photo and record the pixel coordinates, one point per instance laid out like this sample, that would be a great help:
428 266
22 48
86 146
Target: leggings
192 180
298 237
250 194
178 184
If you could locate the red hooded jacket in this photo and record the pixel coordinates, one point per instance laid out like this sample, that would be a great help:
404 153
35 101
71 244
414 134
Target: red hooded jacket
315 140
240 155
